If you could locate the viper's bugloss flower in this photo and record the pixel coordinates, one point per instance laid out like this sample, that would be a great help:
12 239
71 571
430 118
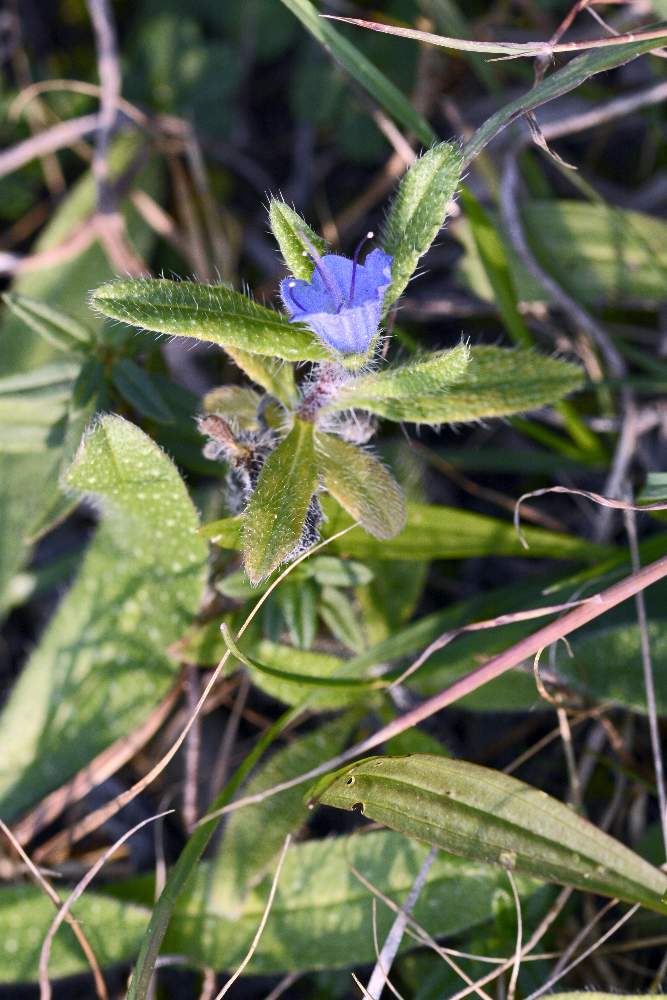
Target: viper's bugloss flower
342 303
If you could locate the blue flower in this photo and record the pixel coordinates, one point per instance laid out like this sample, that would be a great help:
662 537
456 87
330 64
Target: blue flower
342 303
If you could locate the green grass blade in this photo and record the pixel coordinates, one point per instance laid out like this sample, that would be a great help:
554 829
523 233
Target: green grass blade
362 70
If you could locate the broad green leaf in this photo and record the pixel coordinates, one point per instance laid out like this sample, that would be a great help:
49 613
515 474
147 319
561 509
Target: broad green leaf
60 331
288 228
396 386
321 917
276 514
418 211
655 488
433 532
487 816
497 382
137 387
29 483
253 836
361 486
362 70
212 313
112 928
102 663
598 252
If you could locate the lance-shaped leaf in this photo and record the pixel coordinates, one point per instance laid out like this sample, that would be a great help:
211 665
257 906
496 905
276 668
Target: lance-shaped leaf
102 663
289 229
396 387
418 211
485 815
206 312
60 331
497 382
361 486
276 515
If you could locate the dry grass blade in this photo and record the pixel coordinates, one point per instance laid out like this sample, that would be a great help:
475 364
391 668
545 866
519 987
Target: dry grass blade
509 50
43 883
99 769
595 497
595 606
79 889
380 973
262 924
516 967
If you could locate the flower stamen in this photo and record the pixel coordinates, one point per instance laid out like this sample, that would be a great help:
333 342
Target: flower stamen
292 285
355 260
331 285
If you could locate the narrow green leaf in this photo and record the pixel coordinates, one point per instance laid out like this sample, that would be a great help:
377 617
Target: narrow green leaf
362 70
279 678
497 382
434 532
577 71
338 614
398 385
60 331
361 486
206 312
102 664
418 211
288 228
298 604
137 387
331 572
275 517
487 816
491 250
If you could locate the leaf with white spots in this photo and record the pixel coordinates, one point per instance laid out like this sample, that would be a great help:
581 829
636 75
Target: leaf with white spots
102 664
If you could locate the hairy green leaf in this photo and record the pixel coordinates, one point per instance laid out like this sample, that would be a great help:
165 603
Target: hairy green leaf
276 514
212 313
361 486
288 228
102 664
487 816
398 385
418 211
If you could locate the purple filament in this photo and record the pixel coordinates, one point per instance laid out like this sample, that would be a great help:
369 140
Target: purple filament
332 287
355 262
293 297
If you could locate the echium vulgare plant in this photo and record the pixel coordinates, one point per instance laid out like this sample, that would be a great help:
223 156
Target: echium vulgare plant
306 435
